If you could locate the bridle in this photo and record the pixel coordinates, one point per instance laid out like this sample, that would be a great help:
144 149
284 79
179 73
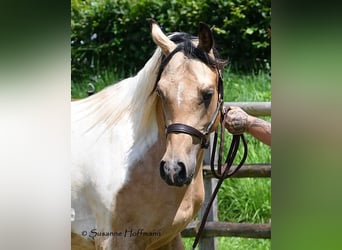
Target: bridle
186 129
224 170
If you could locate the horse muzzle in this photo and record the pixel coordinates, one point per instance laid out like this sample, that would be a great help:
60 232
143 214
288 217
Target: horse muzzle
175 173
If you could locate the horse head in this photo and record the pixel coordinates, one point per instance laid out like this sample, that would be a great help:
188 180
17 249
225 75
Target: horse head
190 91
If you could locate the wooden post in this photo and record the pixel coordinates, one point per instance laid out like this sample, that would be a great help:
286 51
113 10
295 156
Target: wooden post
209 186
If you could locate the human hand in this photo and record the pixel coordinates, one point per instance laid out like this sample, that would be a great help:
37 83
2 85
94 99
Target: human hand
236 120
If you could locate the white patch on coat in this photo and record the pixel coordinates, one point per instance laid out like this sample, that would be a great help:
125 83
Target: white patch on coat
110 131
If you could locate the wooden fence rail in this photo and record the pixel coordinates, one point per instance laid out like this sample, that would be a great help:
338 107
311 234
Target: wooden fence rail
213 227
229 229
252 108
247 170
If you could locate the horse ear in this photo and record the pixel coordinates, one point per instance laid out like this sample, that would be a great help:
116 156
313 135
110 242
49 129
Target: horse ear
160 38
205 36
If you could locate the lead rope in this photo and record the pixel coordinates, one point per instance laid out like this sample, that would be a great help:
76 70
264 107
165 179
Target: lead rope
226 172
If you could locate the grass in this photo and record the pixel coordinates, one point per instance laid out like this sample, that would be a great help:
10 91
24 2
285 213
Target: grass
247 87
100 81
240 200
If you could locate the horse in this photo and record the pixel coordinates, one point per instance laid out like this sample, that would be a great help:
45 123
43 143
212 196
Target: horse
137 147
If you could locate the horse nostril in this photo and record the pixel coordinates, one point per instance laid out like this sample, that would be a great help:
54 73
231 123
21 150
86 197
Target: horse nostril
182 170
162 169
173 173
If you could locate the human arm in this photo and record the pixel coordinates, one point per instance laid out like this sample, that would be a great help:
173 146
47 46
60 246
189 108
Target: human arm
238 121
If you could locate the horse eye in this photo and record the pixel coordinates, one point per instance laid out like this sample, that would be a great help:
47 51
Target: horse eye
207 95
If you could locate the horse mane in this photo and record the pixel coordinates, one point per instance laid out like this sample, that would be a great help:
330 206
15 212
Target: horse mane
186 45
116 103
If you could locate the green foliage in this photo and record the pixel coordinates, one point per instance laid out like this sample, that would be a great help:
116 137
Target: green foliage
100 80
245 200
235 243
114 34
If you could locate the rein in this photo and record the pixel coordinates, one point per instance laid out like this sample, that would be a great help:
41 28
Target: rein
223 170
